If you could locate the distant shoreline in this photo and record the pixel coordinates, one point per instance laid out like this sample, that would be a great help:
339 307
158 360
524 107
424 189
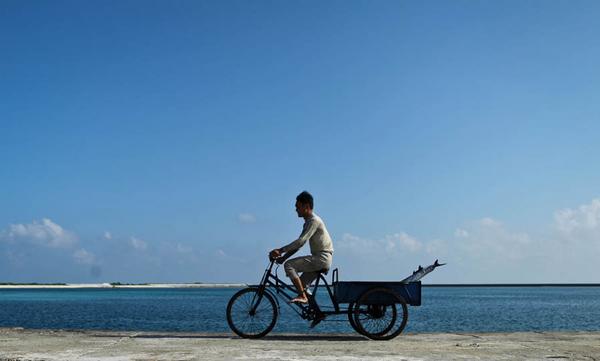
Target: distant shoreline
108 285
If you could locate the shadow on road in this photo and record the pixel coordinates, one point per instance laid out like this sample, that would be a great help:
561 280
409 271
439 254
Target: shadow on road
281 337
314 338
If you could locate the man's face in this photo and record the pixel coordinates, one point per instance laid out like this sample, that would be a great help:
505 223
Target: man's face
301 209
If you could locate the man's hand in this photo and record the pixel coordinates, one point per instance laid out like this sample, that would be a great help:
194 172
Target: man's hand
276 253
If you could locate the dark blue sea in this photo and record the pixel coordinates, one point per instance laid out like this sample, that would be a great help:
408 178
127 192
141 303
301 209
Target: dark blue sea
453 309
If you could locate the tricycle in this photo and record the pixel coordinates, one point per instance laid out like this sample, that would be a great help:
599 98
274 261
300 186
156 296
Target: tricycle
375 309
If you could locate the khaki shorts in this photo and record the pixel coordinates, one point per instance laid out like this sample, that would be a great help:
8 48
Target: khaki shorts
309 266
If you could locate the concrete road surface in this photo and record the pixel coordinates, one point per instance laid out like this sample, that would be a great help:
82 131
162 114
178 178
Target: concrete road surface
20 344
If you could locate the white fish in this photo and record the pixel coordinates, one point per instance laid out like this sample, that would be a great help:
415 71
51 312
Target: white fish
422 272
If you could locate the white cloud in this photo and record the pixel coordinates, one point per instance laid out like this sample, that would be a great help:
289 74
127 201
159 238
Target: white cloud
461 233
45 233
489 239
489 222
180 248
246 218
483 250
578 231
437 248
404 241
138 244
390 257
82 256
393 242
583 221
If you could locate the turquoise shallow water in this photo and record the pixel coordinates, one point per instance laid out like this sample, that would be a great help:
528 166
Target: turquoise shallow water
455 309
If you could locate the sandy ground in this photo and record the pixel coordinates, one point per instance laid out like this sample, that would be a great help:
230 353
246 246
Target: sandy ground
19 344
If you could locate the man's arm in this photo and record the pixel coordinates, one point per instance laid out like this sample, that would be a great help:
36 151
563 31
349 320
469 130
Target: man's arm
280 259
308 231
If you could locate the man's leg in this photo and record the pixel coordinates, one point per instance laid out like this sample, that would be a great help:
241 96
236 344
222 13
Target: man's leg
307 278
311 271
309 265
292 267
302 298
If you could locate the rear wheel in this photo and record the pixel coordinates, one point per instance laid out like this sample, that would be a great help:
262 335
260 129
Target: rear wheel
351 318
251 314
377 315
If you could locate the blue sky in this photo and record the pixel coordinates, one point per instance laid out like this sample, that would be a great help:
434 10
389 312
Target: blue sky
155 141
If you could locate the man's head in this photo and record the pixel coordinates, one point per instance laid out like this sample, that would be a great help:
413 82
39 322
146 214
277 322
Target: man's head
304 204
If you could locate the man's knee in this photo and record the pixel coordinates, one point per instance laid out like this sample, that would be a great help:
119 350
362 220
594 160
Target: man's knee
290 268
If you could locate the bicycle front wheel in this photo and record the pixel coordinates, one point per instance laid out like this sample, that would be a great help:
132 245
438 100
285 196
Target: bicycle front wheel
251 314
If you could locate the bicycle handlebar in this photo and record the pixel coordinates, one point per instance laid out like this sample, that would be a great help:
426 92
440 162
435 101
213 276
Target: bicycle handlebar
279 260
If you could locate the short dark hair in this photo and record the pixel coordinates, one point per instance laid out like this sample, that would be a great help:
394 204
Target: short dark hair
306 198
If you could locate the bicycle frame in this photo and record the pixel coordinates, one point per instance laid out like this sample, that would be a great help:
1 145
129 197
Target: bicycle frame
286 293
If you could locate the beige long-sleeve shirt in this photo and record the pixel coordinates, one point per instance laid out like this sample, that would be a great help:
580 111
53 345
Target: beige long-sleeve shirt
315 232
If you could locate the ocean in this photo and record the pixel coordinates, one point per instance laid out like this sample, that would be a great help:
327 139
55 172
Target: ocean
444 309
